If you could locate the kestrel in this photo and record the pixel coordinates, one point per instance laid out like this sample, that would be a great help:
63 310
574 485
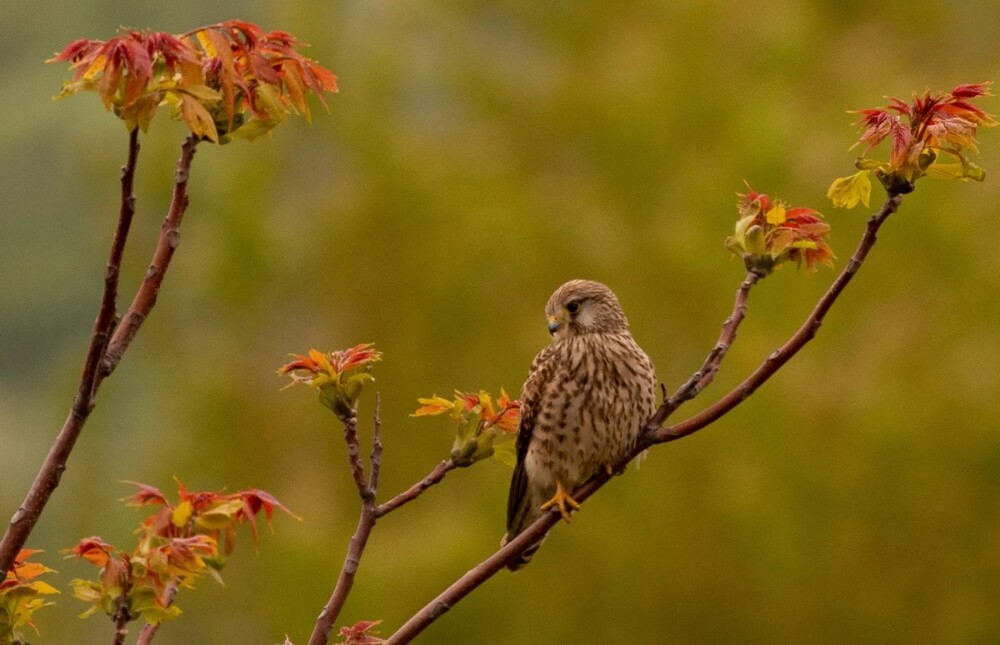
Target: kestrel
585 402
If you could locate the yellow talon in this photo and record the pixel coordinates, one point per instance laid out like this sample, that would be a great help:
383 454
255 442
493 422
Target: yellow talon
561 499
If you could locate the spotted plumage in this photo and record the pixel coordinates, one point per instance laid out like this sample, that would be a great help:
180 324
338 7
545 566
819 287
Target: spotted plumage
583 406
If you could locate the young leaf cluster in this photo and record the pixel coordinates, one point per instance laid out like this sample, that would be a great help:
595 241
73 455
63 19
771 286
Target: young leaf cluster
21 595
338 376
769 233
224 81
176 545
931 136
483 428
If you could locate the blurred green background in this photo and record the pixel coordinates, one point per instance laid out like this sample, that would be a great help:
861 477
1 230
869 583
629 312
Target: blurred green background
477 156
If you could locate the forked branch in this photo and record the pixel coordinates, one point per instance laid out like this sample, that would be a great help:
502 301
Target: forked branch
656 433
107 342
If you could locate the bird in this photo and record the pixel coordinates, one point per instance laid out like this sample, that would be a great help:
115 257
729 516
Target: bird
587 397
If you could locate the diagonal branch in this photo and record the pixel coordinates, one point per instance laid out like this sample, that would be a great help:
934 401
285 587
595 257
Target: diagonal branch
411 493
23 521
367 490
170 239
655 433
706 374
798 340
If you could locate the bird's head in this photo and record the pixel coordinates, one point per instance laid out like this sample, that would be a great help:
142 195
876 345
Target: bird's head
584 307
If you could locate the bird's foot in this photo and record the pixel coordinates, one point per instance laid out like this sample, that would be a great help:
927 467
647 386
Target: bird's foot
561 499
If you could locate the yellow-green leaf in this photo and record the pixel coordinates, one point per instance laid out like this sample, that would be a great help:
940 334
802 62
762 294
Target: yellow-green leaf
181 514
847 192
776 215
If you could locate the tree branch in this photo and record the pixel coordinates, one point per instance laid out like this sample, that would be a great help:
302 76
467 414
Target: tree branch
798 340
169 240
121 618
23 521
367 490
704 376
411 493
655 433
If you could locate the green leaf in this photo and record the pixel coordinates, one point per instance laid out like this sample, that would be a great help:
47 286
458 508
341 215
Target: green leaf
847 192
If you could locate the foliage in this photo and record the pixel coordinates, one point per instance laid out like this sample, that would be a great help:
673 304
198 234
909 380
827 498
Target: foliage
338 376
224 81
20 596
482 429
178 544
769 233
360 633
937 127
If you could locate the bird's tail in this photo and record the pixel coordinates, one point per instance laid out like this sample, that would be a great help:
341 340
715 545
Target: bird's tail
522 510
524 557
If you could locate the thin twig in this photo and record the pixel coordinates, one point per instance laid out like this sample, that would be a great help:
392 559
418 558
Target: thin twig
354 456
169 240
23 521
375 458
366 522
798 340
701 379
122 617
411 493
654 434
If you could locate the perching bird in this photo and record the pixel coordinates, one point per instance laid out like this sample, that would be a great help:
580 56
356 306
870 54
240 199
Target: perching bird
586 399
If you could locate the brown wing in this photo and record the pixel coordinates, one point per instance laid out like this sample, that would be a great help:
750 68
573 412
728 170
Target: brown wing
518 499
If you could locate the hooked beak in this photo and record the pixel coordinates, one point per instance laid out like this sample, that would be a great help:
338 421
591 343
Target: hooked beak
555 322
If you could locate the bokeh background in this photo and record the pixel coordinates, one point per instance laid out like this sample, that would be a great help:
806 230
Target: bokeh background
477 156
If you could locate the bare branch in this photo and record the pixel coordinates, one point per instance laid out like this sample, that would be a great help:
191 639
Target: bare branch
375 458
805 333
106 349
701 379
366 522
411 493
170 239
23 521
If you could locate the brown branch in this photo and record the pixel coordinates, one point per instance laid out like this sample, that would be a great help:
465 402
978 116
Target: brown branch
490 566
354 456
655 434
411 493
375 458
168 242
122 617
704 376
23 521
798 340
366 522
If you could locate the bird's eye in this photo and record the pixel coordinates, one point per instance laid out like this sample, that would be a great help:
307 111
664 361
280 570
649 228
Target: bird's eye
573 306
